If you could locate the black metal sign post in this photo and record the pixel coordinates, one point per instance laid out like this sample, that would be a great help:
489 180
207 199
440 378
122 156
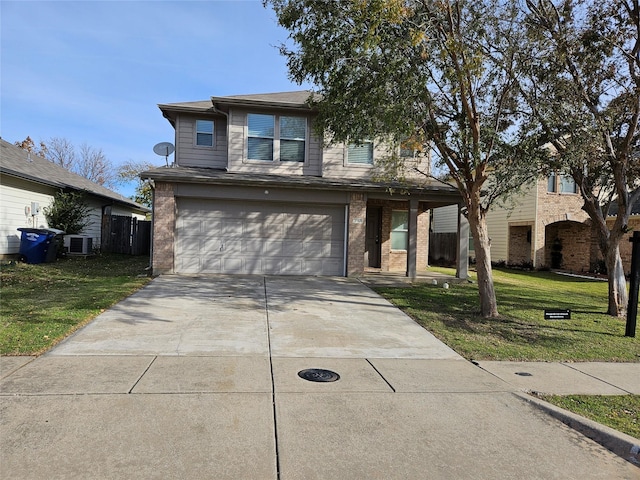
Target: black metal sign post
632 308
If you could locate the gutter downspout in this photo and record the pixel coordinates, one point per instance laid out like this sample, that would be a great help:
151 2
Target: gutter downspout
226 115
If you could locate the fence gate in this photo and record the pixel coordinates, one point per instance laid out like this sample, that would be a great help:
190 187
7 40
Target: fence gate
122 234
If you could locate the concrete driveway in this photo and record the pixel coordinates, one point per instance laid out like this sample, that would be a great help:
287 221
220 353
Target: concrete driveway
197 377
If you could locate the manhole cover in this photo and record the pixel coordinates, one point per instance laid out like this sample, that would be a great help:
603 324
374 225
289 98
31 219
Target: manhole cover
524 374
318 375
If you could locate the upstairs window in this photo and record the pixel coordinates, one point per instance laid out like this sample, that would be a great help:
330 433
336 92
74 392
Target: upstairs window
568 184
399 230
293 134
561 184
361 154
261 136
276 138
551 183
204 133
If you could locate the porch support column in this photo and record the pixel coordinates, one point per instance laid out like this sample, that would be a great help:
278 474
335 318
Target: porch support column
412 248
164 224
356 233
462 253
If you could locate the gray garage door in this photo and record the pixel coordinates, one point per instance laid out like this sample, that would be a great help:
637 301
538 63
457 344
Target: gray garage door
259 238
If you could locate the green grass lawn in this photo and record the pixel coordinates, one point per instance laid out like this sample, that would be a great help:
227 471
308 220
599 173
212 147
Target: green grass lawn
42 304
620 412
523 334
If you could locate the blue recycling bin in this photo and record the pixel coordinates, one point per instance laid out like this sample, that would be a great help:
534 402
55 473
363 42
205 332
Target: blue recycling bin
35 243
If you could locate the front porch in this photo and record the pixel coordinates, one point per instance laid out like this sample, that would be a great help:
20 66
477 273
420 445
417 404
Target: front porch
378 278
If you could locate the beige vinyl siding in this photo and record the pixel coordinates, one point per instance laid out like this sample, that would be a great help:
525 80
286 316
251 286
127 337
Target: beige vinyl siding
191 155
336 163
238 161
445 219
500 217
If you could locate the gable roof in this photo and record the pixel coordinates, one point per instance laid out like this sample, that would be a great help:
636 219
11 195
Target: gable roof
295 100
19 163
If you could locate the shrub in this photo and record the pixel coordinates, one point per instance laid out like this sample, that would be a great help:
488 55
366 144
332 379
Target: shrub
68 212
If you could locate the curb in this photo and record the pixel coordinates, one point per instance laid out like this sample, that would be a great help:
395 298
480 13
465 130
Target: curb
621 444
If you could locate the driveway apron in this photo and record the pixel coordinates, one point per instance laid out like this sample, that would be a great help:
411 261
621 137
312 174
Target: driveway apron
198 377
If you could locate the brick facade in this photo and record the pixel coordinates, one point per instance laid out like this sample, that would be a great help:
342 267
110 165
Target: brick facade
357 234
164 224
553 207
520 244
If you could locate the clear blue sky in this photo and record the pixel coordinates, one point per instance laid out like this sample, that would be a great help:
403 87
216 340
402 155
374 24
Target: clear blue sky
94 71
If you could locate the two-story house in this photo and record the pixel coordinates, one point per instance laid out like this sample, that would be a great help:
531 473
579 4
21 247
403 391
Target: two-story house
254 190
543 227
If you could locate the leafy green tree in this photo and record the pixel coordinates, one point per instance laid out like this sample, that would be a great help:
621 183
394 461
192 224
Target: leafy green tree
68 212
435 72
580 76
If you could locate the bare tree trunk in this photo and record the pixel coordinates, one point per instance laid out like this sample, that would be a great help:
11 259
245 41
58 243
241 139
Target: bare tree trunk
618 297
609 244
480 233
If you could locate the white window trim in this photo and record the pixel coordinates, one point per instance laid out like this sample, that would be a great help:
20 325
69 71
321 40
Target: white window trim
276 141
195 133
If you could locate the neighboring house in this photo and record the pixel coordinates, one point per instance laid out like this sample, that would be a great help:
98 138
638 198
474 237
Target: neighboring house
544 227
27 185
253 190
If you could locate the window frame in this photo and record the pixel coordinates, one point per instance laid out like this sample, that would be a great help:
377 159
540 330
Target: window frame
370 144
404 231
196 132
277 138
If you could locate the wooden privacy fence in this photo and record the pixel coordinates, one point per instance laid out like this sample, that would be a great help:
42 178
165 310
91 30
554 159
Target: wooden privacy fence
442 248
121 234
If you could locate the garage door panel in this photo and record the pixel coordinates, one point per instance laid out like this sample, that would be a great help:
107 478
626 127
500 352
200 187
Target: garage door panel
232 227
252 245
259 238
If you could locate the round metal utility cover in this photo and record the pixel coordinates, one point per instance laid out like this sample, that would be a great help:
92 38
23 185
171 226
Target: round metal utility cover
318 375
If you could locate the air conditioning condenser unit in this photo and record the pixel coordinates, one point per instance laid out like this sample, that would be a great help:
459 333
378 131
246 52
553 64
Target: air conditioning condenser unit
78 244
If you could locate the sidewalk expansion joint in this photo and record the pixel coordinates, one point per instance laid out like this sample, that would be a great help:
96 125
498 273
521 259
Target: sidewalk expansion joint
143 374
273 383
381 376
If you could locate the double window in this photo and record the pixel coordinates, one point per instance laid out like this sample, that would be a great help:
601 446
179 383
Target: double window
204 133
276 137
361 153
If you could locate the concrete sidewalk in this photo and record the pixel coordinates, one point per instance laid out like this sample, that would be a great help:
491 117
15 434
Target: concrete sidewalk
197 377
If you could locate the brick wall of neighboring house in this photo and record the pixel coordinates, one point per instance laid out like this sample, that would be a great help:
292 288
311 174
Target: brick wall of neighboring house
357 234
571 241
519 244
625 244
552 208
164 218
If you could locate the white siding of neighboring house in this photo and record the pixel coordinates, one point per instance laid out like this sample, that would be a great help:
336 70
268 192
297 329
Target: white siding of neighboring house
191 155
15 195
238 149
519 211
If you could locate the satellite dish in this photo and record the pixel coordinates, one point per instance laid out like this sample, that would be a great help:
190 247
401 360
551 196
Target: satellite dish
164 149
